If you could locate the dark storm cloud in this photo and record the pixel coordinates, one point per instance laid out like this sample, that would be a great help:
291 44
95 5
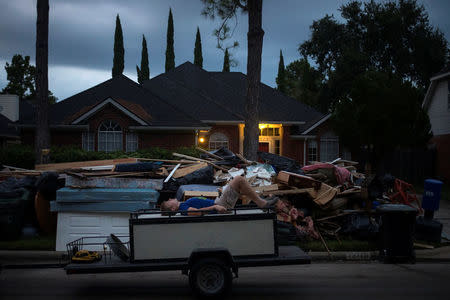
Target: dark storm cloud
82 33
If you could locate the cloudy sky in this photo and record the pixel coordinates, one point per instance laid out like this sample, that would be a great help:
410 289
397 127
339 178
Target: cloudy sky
82 35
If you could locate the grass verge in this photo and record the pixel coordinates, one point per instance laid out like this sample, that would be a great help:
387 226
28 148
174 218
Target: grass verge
31 243
343 245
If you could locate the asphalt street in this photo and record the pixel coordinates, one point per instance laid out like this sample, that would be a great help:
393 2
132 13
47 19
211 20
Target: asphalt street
348 281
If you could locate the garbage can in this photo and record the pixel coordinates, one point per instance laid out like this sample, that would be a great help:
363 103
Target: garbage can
397 233
431 197
12 210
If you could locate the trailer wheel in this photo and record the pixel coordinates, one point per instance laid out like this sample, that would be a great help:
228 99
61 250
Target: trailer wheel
210 277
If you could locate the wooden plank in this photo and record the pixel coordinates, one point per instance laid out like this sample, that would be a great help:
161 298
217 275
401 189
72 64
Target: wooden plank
208 153
80 164
298 180
423 246
199 159
241 157
24 173
181 172
354 190
166 160
190 157
290 192
191 194
266 188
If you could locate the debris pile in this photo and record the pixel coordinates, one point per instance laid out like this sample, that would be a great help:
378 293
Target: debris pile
316 201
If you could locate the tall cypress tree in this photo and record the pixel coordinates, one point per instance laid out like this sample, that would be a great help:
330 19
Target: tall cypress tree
226 62
119 51
170 54
198 56
281 77
144 72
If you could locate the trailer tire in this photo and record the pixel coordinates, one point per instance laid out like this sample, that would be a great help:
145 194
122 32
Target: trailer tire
210 277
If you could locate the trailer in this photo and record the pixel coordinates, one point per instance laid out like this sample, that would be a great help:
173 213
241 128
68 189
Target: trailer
209 249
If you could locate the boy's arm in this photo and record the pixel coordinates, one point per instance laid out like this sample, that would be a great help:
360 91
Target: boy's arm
192 211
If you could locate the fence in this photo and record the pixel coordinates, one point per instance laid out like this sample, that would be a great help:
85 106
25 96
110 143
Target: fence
412 165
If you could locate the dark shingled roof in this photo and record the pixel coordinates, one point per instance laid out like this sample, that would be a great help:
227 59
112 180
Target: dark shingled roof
121 89
221 96
273 105
195 103
182 97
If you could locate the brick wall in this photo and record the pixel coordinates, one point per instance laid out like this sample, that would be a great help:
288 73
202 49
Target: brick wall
291 148
321 130
57 137
165 140
442 143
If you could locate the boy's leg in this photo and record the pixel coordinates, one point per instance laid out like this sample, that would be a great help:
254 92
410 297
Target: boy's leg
242 187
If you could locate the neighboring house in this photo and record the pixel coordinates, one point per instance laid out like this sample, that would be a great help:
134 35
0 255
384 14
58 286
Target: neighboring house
9 113
437 105
184 107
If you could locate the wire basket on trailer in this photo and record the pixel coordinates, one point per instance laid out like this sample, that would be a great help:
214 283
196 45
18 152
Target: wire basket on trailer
112 246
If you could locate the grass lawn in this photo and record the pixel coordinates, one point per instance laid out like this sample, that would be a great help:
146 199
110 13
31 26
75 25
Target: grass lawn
343 245
31 243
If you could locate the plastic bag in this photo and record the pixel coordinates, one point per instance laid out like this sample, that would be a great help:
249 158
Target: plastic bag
281 163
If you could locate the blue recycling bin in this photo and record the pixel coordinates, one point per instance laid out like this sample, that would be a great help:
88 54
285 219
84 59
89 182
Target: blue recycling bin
431 194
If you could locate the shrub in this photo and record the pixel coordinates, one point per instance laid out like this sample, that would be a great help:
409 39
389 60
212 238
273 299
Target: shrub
20 156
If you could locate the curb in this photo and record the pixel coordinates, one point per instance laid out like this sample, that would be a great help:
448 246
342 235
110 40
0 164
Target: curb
344 256
55 259
34 266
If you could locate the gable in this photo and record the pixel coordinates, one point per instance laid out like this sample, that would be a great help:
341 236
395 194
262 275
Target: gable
438 108
90 111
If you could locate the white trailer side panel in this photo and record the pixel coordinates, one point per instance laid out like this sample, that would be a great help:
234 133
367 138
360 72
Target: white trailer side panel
178 240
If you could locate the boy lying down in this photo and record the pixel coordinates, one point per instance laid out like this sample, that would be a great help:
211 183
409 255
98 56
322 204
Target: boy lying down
237 187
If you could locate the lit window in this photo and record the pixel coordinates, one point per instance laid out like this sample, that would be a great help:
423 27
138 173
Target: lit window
110 137
329 147
87 141
277 131
218 140
312 150
132 142
269 131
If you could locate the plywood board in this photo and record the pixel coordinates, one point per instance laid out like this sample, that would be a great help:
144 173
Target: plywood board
81 164
325 194
181 172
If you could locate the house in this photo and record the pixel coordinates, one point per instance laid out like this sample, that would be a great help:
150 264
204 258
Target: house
184 107
437 105
9 108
